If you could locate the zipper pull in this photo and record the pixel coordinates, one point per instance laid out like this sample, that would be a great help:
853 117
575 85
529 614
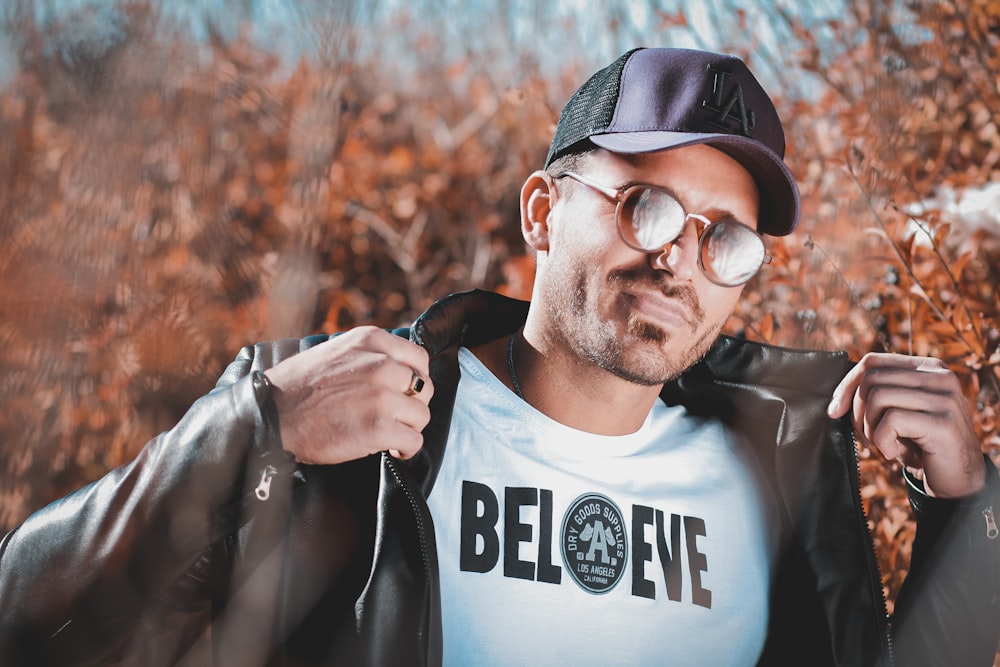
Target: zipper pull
991 523
263 490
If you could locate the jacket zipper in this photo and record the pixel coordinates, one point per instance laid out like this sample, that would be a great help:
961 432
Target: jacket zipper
991 523
872 554
992 532
263 488
421 531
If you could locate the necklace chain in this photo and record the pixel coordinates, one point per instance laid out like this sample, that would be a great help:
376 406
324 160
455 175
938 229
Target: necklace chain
510 367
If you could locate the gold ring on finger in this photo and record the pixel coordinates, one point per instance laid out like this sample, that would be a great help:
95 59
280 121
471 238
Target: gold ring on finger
416 385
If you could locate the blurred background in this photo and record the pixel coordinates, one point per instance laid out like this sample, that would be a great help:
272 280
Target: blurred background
179 179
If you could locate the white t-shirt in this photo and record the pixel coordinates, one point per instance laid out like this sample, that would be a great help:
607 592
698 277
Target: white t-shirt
560 547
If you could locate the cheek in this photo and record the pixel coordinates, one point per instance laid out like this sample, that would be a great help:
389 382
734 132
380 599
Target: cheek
576 246
719 303
583 225
583 238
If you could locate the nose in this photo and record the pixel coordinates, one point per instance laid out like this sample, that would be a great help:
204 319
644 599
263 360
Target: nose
679 257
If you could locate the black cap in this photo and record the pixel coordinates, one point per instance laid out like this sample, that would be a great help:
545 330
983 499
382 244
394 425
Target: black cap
654 99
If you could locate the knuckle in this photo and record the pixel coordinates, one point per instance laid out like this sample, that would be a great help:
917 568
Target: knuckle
382 371
410 443
953 384
368 334
867 358
424 417
382 395
425 357
878 397
375 425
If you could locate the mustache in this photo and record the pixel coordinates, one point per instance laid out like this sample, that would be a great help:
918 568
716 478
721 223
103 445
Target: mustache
657 280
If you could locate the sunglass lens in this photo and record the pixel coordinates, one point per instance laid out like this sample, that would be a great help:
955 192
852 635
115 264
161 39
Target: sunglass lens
731 253
650 219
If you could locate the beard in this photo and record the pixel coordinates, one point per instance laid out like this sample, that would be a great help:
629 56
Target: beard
637 350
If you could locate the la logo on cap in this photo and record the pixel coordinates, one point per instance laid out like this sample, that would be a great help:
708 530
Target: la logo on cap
728 109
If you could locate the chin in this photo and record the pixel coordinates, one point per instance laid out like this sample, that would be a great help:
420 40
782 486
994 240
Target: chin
647 363
659 355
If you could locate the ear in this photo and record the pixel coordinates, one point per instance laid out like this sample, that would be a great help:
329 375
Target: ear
537 199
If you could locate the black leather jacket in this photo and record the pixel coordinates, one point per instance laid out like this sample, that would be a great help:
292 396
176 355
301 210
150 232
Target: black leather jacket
213 548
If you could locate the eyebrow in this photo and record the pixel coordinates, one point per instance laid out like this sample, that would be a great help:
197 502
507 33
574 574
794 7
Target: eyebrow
717 214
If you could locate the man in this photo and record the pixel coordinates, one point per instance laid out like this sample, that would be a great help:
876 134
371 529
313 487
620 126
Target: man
592 478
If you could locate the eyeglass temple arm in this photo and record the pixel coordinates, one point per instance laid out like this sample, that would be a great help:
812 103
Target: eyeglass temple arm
603 189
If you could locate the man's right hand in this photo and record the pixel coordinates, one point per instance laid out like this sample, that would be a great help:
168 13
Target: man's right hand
347 397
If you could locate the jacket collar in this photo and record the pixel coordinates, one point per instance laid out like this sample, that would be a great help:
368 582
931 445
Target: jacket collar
467 319
777 394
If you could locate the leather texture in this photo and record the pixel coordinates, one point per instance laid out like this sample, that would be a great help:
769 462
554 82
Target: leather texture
173 559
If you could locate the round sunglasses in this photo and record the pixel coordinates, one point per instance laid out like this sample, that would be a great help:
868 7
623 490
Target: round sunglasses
649 218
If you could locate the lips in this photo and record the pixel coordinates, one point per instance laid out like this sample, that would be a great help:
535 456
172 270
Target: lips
658 299
666 311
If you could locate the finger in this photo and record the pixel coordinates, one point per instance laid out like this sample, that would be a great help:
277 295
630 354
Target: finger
408 444
416 384
942 445
874 360
845 393
873 402
932 442
891 433
398 348
935 425
412 364
370 339
405 454
420 386
424 393
386 372
929 381
935 392
895 367
885 434
393 420
375 434
911 414
412 412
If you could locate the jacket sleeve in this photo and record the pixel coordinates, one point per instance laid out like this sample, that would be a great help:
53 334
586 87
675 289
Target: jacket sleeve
77 577
948 611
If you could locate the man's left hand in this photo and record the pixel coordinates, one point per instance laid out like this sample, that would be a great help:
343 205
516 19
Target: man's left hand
912 409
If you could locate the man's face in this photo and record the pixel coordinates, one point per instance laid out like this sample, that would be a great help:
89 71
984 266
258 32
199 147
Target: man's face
644 317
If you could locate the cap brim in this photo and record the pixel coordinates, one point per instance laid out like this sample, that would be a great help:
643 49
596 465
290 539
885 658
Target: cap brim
780 204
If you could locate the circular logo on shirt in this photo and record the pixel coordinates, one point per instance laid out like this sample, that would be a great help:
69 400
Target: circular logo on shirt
594 546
